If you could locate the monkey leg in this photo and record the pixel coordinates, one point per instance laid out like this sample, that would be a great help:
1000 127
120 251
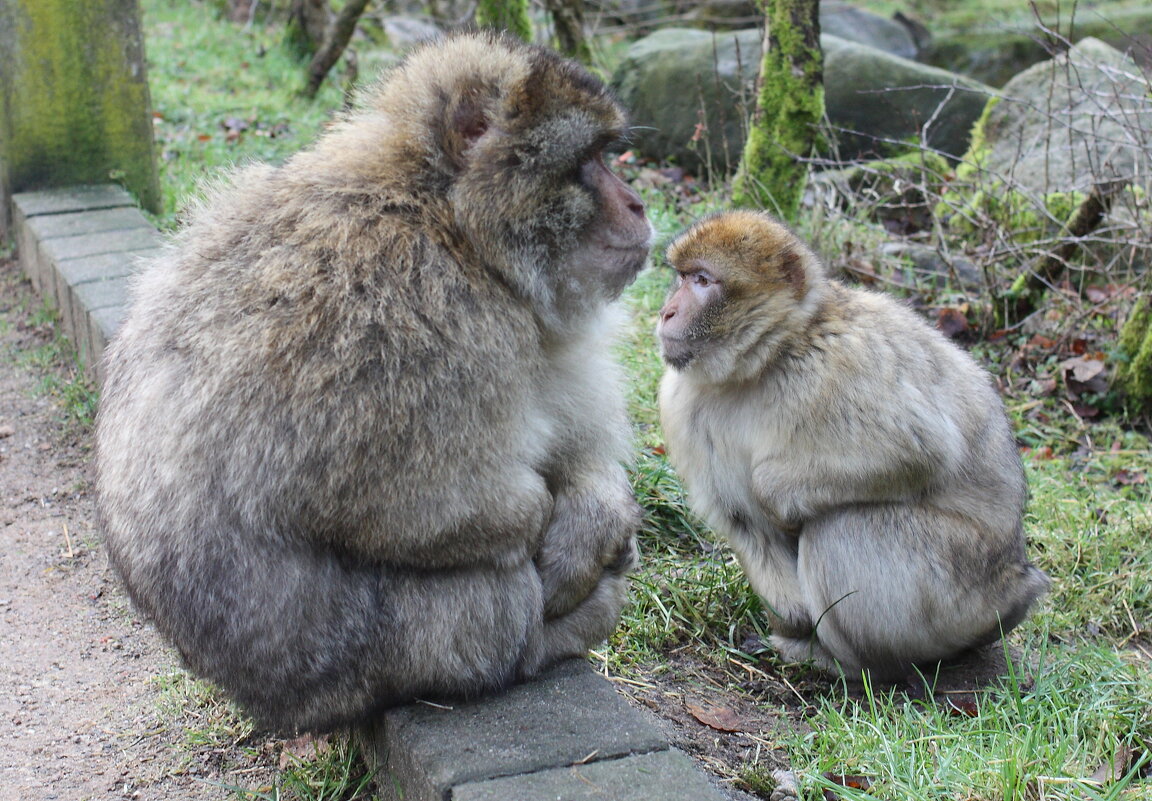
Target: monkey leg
306 640
769 560
889 586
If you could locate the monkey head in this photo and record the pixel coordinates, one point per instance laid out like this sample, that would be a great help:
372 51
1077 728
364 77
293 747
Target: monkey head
503 142
743 280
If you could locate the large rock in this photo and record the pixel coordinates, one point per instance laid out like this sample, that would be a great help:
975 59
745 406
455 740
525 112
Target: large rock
879 104
691 93
837 18
863 27
1082 118
997 54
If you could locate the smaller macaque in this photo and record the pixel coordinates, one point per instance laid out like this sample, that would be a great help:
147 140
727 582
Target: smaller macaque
860 464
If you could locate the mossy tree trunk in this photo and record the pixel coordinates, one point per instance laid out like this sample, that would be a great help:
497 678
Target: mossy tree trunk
789 107
1134 373
74 102
336 40
505 15
307 24
568 22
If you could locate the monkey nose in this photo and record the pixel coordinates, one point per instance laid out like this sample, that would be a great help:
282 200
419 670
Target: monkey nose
667 314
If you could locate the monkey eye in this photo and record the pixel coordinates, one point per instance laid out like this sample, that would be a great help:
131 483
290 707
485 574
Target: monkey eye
701 279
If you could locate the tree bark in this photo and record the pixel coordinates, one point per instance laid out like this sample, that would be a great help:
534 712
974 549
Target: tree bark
568 22
74 101
789 107
307 23
335 41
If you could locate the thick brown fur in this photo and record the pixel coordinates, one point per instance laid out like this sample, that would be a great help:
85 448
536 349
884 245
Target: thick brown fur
861 465
361 439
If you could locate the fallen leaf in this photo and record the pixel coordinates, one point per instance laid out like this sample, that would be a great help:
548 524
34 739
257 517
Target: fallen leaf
965 707
853 782
1129 477
1082 369
1113 771
720 718
303 749
1097 294
952 323
1084 374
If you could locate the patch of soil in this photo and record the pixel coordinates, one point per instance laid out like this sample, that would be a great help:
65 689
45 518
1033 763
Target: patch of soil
79 712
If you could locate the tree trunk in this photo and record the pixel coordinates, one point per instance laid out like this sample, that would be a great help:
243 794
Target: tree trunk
337 38
74 102
505 15
1134 367
568 22
307 23
789 107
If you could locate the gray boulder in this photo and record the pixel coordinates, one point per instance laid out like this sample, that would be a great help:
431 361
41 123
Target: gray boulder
879 104
998 53
691 93
899 35
863 27
1080 119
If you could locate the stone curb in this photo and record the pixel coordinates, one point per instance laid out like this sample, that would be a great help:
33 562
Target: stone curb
567 736
80 246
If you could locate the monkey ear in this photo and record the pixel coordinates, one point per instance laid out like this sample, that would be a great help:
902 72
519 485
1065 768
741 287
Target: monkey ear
466 120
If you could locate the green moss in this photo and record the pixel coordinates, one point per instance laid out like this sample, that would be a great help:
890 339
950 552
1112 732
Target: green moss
78 107
975 200
1134 368
506 15
789 109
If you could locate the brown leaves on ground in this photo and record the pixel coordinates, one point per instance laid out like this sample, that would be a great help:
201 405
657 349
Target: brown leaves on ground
721 718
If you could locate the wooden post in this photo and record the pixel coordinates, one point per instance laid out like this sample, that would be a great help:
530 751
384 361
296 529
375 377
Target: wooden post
74 102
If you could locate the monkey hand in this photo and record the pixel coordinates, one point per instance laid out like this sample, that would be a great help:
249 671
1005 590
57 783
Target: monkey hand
591 534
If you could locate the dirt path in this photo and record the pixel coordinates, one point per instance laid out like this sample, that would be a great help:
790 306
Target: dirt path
79 715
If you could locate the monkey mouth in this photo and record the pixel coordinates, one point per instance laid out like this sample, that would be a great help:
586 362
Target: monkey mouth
677 353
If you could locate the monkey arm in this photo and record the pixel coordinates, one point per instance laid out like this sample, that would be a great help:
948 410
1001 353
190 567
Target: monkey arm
818 470
590 532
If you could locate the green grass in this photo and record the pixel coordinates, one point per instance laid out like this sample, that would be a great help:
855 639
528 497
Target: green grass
223 94
1039 741
54 361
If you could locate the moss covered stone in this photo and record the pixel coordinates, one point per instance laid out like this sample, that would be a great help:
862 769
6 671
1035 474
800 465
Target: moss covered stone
76 108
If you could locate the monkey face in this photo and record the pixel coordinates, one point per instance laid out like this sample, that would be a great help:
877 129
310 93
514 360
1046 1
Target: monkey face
742 281
615 245
521 150
688 319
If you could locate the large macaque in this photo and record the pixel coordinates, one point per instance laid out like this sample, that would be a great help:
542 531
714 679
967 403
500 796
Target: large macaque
361 438
860 465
